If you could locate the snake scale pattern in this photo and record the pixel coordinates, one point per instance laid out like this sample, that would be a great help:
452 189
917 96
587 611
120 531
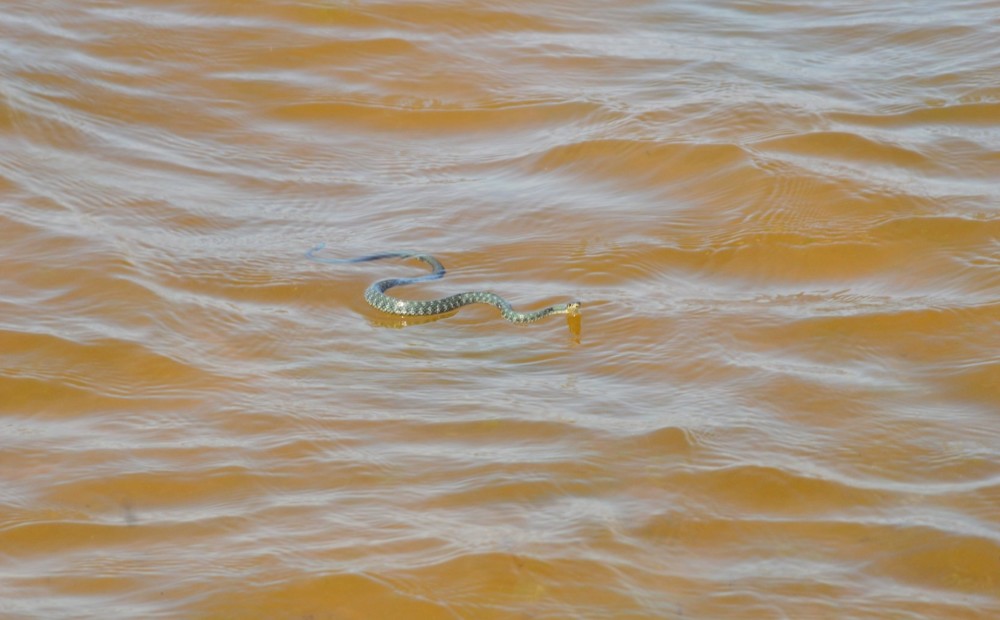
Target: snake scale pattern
375 294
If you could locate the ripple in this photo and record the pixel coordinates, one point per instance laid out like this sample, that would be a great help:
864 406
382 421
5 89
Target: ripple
781 221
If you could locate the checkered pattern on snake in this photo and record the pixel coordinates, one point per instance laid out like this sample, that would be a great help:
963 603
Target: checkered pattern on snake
375 294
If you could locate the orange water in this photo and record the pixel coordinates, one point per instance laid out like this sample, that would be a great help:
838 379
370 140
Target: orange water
782 219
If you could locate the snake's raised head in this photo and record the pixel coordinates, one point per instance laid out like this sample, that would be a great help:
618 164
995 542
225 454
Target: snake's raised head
572 308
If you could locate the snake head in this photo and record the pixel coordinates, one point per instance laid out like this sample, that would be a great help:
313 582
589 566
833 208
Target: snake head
572 308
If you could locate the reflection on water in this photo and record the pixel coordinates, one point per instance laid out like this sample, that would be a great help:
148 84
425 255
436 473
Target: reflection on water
781 222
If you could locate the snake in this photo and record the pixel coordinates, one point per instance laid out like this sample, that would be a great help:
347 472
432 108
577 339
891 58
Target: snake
376 297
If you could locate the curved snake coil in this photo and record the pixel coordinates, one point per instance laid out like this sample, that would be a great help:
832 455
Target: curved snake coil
375 294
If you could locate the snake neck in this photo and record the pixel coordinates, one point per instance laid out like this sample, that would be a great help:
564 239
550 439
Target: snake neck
509 313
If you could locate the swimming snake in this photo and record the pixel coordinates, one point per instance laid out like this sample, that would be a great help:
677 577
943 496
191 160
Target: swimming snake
375 294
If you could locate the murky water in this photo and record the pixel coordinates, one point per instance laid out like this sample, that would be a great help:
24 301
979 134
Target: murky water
782 219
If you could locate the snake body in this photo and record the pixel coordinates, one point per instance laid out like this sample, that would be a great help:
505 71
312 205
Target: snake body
376 296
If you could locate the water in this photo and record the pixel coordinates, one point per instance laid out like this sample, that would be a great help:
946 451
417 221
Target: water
781 220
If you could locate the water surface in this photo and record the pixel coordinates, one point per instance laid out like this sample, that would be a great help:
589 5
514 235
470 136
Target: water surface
782 221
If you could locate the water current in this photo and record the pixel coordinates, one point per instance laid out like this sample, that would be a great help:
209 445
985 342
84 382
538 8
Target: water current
782 220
